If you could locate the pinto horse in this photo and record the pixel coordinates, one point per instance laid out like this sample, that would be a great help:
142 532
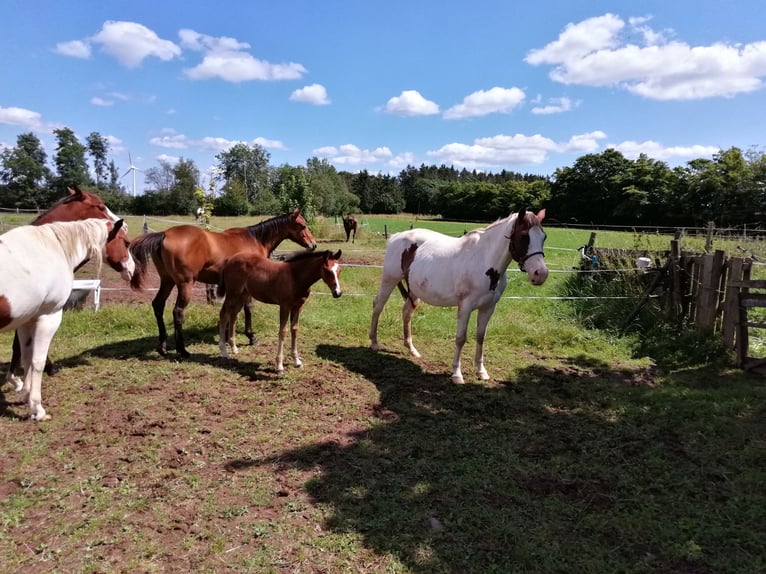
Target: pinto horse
38 264
350 224
285 283
187 253
467 272
77 205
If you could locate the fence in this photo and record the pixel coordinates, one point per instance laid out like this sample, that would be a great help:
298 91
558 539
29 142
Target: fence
711 292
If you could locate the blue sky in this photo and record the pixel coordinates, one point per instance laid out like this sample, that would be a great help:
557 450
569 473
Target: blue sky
486 85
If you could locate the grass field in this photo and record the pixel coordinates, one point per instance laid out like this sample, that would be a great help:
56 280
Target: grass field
578 455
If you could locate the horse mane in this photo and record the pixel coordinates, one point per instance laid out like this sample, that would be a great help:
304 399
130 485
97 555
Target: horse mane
296 256
92 233
266 228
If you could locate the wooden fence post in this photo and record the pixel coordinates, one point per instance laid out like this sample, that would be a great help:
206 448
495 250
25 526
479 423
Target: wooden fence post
674 268
731 303
709 237
707 295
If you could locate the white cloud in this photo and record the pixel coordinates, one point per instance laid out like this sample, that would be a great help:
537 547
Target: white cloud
74 49
314 94
224 58
411 103
555 106
131 43
27 119
170 141
482 103
270 144
593 53
96 101
349 154
502 150
171 159
655 150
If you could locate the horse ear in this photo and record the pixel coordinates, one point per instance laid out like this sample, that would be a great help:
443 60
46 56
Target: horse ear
75 191
541 215
338 254
115 230
296 212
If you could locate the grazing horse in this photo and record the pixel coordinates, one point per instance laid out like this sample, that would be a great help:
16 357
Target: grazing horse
285 283
467 272
38 264
77 205
350 224
187 253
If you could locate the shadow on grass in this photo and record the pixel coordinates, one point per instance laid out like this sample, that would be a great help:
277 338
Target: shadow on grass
573 469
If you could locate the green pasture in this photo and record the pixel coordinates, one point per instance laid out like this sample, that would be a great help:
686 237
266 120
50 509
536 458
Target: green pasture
578 455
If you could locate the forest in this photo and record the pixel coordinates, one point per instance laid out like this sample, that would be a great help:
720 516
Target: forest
598 189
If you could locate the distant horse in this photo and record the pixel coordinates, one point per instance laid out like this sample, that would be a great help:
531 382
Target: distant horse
38 264
187 253
77 205
285 283
350 224
467 272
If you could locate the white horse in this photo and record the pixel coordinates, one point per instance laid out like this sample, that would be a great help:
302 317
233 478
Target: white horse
38 264
467 272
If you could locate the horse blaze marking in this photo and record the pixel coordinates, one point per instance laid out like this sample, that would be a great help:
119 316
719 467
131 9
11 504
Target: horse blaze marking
494 277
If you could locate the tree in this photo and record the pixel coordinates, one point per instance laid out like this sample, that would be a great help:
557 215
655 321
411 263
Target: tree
331 196
71 167
24 174
292 190
98 148
248 165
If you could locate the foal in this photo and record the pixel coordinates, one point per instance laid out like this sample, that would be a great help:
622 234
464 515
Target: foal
285 283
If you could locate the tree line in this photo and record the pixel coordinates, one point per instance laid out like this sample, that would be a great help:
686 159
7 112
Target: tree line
603 188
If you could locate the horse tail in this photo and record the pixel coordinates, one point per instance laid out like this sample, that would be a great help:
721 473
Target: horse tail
142 248
220 290
403 290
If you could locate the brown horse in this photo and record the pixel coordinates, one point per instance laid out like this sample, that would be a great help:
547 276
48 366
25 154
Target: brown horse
350 224
76 205
285 283
187 253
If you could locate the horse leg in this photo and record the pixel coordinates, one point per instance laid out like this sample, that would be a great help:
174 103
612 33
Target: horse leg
408 309
158 305
226 322
294 316
249 320
10 376
482 319
182 301
386 286
39 335
463 315
284 315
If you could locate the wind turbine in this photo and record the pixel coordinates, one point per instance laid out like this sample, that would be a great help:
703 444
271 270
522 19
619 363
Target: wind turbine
134 169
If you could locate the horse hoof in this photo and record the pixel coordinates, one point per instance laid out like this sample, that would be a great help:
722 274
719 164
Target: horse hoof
252 339
280 371
458 379
162 350
184 354
51 370
374 346
483 376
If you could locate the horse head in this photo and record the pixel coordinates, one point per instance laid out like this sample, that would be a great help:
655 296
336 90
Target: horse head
526 245
299 231
331 272
117 250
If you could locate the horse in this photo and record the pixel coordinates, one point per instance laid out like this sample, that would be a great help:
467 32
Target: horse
187 253
74 206
285 283
350 224
39 264
467 272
